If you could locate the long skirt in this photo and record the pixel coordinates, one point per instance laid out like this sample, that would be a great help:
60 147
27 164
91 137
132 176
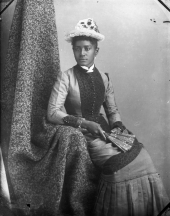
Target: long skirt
135 190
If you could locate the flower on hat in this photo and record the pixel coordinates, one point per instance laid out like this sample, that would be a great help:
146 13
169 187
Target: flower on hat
87 23
86 27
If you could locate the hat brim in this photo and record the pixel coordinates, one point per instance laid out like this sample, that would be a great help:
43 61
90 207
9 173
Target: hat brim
83 32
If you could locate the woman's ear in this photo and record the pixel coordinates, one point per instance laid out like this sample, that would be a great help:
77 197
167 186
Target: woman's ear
97 50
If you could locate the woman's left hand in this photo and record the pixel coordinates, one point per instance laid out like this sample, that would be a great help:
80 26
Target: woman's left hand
119 124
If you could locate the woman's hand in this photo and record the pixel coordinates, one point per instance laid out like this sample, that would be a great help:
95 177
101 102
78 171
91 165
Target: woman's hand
118 124
94 128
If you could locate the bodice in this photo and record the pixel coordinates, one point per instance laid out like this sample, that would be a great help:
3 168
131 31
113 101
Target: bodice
92 92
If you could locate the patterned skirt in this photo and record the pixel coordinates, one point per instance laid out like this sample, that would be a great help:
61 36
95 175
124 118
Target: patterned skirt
135 190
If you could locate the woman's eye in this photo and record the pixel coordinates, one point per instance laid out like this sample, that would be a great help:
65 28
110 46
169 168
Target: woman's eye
87 48
76 49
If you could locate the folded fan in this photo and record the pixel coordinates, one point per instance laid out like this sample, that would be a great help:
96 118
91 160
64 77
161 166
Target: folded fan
123 140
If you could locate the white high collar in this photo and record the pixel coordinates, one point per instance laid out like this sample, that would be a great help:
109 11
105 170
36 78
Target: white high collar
90 69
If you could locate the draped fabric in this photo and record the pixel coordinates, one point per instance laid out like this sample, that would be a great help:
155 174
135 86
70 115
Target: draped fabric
50 172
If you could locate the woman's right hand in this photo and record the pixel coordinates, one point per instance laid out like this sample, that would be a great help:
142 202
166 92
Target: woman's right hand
94 128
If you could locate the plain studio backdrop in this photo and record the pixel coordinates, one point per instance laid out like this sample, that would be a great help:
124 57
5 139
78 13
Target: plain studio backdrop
136 53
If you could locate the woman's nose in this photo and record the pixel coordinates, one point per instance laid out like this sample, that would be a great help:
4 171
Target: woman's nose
83 52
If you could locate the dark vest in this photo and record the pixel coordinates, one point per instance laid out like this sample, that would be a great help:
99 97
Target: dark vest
92 93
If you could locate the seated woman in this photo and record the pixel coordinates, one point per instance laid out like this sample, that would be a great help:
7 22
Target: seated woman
129 183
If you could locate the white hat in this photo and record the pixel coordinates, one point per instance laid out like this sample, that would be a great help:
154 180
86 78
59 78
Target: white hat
86 27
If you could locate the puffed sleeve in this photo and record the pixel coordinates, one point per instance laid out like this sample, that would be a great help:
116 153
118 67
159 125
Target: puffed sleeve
109 104
57 99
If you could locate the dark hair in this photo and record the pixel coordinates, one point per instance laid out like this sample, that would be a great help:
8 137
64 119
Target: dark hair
83 37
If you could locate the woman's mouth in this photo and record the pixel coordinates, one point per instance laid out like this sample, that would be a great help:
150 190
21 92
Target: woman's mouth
82 59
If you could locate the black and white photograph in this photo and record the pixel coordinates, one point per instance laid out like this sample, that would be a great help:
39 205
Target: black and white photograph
85 108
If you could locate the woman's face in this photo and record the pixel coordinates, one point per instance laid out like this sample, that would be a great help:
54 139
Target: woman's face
85 52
